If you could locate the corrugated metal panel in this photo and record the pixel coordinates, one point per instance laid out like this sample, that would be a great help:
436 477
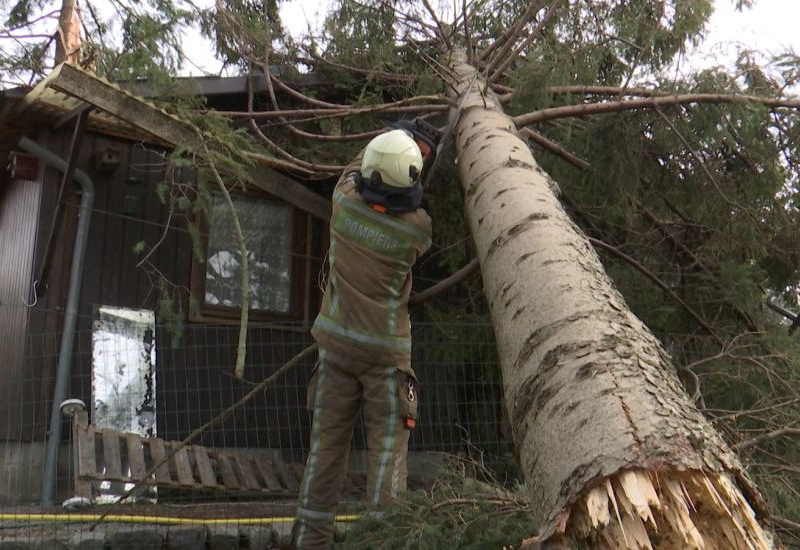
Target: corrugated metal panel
19 212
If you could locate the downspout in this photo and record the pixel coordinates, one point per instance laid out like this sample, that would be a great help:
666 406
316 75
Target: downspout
49 476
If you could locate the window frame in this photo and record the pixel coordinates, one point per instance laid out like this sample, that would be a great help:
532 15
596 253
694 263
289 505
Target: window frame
299 271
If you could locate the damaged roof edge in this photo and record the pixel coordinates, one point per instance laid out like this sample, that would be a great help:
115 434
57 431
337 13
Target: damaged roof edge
67 87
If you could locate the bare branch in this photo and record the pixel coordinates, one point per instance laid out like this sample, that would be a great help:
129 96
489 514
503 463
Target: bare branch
244 293
604 90
167 227
554 148
460 275
763 438
442 34
213 422
439 104
380 75
507 39
303 97
467 36
783 522
586 109
49 15
325 168
525 43
275 147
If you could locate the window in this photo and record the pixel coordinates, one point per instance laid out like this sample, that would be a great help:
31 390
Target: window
275 235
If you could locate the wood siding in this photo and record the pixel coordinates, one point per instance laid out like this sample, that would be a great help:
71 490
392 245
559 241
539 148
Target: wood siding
194 380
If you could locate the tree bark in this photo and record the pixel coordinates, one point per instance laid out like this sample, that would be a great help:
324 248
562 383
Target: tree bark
611 446
68 37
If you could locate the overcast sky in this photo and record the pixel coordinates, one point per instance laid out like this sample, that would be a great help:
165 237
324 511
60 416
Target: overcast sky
770 26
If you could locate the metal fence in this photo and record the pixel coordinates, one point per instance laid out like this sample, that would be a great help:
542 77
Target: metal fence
252 459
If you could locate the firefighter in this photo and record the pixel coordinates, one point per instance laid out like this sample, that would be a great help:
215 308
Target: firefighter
377 233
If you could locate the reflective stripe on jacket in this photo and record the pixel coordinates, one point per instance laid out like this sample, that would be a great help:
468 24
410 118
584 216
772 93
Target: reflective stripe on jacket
364 311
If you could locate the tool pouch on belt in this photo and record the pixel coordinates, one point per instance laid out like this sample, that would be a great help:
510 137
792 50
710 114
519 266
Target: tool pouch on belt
409 397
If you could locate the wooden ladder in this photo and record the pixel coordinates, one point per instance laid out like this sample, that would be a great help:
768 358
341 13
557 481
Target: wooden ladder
111 455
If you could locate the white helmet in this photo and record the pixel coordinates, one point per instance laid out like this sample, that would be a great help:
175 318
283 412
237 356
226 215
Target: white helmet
395 156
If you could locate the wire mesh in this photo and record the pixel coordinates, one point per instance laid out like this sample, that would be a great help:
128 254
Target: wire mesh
461 413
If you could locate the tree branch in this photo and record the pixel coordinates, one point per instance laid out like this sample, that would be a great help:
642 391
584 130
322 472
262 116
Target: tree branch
442 34
530 38
275 147
699 160
763 438
661 226
554 148
783 522
381 75
440 104
241 350
445 284
554 113
303 97
661 284
603 90
507 39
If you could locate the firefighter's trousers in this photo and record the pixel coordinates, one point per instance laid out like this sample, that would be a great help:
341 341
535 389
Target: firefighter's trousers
339 389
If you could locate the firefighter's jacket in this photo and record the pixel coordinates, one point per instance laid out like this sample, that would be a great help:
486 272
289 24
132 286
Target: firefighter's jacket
364 313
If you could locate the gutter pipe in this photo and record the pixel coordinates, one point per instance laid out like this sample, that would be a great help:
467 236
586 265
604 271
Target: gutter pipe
49 477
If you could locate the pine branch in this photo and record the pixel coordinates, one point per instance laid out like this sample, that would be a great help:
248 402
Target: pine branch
699 161
554 148
501 56
661 226
533 35
506 40
555 113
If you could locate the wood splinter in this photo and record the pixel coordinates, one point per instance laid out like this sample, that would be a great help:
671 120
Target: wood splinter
694 510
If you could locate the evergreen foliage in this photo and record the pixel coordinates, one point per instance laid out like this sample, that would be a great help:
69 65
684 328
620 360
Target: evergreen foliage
465 509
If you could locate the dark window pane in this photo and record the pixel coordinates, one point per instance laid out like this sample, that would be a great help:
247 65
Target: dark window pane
267 229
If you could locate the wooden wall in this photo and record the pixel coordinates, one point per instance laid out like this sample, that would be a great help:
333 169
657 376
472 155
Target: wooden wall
194 370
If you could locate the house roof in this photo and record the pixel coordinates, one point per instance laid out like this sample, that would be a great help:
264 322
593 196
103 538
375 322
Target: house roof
114 111
44 105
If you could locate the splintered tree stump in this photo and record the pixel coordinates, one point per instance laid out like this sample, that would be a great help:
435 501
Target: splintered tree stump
613 450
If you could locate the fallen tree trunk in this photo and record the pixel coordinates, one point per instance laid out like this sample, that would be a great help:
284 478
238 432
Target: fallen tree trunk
613 450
